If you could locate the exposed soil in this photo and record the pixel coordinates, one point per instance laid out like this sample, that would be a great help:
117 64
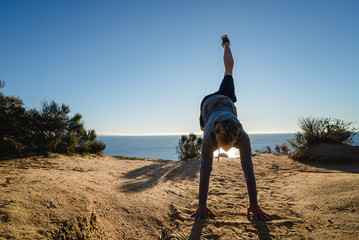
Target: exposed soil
105 197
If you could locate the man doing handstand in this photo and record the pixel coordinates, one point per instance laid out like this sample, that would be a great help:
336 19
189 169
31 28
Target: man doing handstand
222 129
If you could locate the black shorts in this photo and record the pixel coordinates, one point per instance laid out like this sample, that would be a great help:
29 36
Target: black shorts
226 89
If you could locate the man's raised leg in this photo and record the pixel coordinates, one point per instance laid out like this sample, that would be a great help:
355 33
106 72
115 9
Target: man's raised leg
227 57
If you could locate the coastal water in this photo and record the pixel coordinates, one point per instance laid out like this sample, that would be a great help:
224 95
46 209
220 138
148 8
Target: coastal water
164 147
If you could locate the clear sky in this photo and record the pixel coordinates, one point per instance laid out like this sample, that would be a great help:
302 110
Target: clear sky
143 67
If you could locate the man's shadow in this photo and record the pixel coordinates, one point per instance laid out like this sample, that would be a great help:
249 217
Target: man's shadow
197 229
149 176
262 228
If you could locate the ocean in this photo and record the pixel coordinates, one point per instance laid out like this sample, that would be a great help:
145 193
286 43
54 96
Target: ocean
164 147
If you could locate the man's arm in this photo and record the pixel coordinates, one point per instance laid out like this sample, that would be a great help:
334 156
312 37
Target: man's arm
243 143
244 146
206 168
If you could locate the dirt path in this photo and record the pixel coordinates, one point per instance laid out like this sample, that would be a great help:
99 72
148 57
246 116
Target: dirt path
109 198
305 202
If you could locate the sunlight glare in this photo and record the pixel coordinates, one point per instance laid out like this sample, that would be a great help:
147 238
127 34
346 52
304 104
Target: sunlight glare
232 153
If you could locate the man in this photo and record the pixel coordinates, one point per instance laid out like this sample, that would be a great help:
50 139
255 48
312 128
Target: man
222 129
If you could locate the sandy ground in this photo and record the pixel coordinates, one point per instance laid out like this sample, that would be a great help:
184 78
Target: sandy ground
108 198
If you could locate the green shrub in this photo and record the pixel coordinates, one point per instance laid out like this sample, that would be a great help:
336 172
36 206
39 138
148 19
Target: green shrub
50 129
322 130
12 123
189 147
268 149
55 131
96 146
282 149
277 148
83 147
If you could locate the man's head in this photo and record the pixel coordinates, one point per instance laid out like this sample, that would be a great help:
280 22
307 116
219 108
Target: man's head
226 133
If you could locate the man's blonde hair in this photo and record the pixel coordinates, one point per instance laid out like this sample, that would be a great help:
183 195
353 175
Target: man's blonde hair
226 131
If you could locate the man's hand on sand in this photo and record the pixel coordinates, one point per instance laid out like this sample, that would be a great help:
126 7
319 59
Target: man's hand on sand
202 212
257 212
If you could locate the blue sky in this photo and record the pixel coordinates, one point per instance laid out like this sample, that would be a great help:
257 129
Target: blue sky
143 67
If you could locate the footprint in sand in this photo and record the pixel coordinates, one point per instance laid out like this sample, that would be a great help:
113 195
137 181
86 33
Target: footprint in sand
230 205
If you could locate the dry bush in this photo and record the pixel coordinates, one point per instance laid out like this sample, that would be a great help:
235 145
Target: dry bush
189 147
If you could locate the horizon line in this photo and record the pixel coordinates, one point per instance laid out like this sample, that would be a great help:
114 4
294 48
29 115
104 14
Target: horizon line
174 133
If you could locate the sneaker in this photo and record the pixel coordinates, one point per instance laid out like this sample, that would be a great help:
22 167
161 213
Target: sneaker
225 39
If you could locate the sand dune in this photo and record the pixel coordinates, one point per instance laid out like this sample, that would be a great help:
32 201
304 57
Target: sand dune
109 198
